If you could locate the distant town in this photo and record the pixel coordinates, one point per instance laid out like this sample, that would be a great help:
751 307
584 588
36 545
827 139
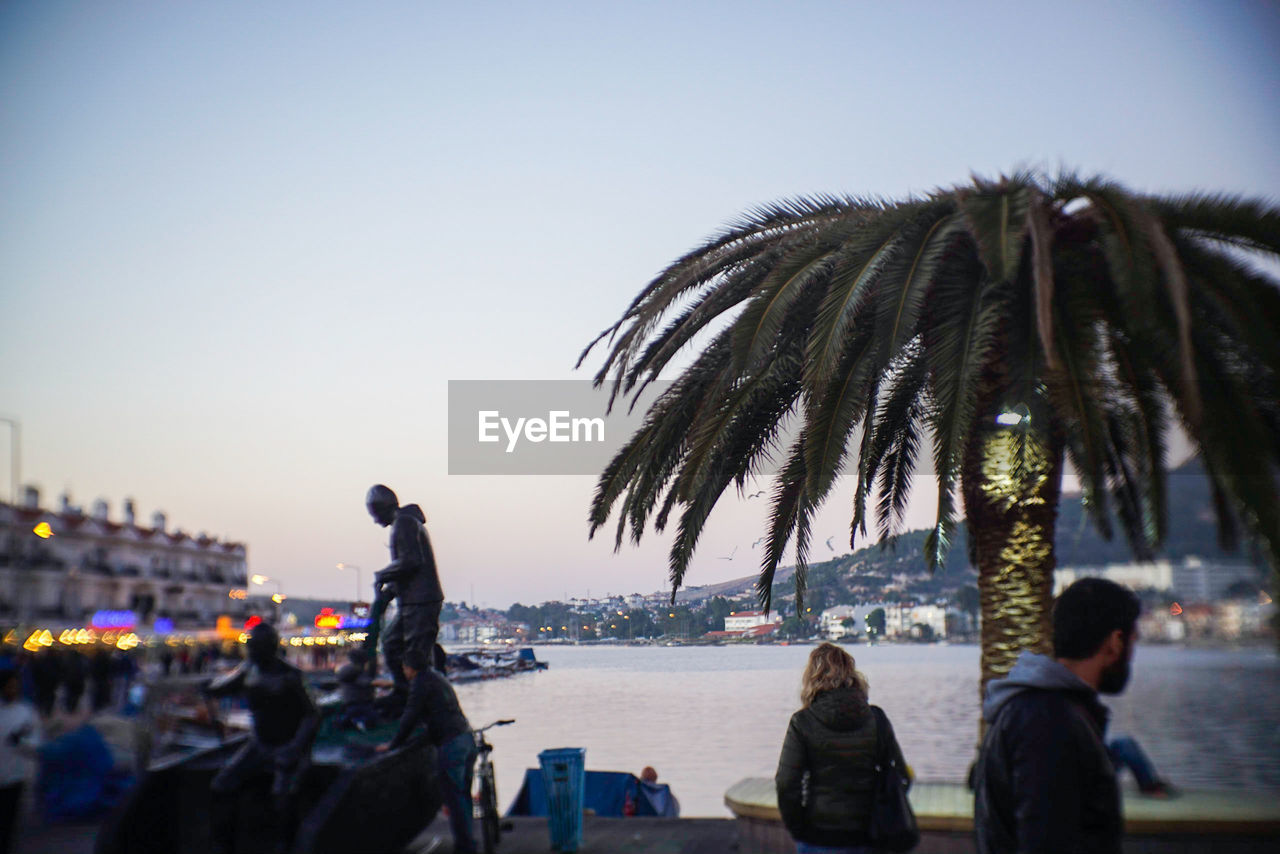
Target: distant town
94 572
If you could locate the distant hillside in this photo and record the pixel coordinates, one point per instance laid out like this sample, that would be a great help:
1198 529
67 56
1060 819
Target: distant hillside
1192 531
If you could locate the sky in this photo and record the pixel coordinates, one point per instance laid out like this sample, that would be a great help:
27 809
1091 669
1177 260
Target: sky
244 247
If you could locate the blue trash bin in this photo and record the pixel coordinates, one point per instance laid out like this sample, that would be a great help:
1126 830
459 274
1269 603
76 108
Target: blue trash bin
564 773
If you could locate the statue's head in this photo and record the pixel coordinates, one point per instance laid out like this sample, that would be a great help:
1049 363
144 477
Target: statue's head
382 504
263 644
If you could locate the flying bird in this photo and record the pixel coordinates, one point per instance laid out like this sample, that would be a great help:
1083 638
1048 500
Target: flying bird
755 495
829 539
758 542
731 554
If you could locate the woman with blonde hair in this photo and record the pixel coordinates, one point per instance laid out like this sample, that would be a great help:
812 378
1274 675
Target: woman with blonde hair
826 773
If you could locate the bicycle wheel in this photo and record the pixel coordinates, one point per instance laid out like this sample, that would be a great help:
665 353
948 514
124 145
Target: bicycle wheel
490 825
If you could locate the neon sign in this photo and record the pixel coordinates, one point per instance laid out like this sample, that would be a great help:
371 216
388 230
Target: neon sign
326 619
114 620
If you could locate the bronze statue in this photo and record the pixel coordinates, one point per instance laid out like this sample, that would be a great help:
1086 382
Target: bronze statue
410 579
284 724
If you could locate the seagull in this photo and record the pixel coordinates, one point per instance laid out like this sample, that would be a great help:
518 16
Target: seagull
731 554
758 542
755 495
829 539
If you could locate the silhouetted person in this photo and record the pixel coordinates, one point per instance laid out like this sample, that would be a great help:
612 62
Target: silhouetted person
100 676
284 724
19 738
433 705
1045 782
410 579
46 675
73 679
356 689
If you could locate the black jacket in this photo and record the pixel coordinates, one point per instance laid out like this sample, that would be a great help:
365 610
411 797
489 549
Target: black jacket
412 571
432 702
1044 781
832 742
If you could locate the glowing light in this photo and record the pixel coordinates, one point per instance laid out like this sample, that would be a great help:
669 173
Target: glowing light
357 636
127 641
45 638
67 637
237 593
244 637
1008 419
1175 609
252 621
43 531
326 619
258 579
32 644
114 620
278 598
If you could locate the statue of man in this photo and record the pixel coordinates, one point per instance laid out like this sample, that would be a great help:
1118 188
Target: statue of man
410 579
284 724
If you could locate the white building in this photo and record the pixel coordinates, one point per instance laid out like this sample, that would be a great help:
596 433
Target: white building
740 621
831 623
1193 579
92 564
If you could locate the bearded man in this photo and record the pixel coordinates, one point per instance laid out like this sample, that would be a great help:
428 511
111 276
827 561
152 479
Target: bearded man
1045 781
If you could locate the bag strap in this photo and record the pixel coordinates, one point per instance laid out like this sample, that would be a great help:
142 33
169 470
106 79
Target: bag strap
882 738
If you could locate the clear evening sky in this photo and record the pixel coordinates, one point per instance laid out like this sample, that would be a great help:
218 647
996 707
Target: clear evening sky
244 246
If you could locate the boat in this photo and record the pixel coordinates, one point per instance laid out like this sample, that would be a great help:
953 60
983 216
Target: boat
470 665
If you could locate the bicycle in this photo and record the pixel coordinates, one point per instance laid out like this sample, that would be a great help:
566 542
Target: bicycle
486 798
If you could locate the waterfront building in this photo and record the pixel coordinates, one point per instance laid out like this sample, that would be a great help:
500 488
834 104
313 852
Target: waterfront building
741 621
831 623
90 564
1193 579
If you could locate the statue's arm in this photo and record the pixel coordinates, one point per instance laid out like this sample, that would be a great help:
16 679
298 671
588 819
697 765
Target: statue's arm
228 683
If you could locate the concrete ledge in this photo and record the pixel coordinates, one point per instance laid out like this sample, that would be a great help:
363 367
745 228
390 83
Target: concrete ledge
1203 820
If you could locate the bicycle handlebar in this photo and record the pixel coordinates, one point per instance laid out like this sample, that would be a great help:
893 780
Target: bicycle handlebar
496 723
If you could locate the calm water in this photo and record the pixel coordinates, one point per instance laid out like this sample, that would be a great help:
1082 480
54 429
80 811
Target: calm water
705 717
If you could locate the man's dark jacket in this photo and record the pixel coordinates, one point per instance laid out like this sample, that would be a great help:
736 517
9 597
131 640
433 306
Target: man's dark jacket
432 702
412 571
833 741
1044 781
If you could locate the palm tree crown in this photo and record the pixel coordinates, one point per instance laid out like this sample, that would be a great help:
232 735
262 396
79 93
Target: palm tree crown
990 328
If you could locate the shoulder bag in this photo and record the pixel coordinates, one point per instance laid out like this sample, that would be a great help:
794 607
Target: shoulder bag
893 823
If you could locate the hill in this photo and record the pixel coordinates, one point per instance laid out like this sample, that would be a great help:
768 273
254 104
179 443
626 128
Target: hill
1192 531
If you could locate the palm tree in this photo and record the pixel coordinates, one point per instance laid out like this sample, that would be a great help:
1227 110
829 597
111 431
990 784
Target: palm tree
1012 324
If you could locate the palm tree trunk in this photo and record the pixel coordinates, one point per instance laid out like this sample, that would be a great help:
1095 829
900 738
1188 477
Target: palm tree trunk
1011 505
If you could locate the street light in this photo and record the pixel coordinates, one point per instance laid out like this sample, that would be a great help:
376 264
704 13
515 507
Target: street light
278 597
359 586
15 459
